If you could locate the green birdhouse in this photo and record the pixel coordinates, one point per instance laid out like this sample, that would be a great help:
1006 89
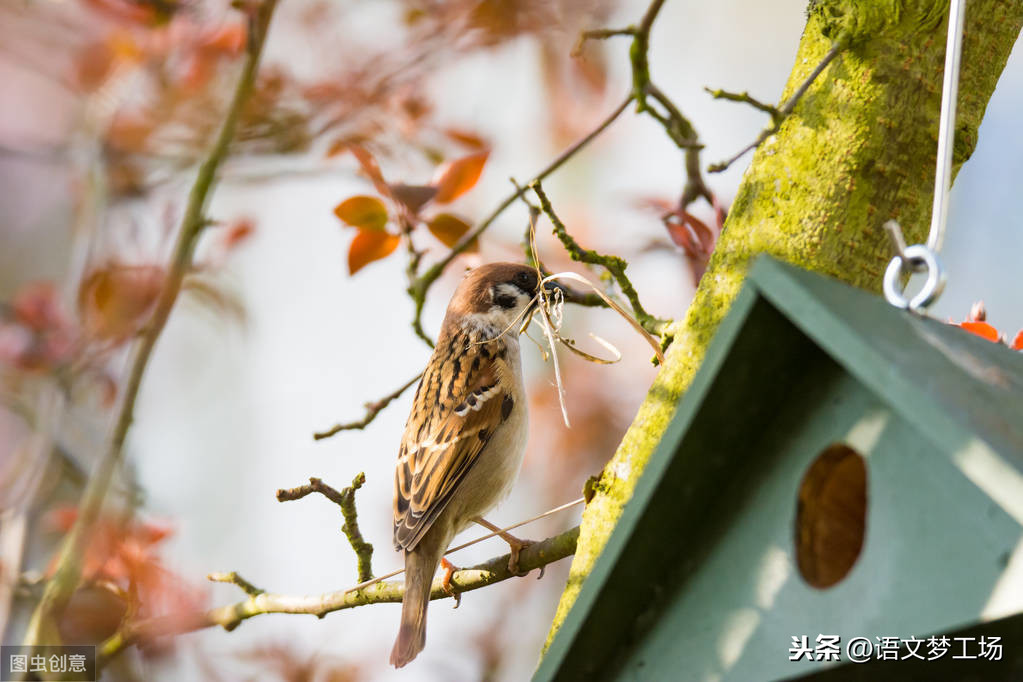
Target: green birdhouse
840 474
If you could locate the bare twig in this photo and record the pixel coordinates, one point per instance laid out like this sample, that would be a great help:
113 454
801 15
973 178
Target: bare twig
638 55
346 500
615 265
536 555
236 579
417 290
600 34
779 115
744 96
66 577
372 410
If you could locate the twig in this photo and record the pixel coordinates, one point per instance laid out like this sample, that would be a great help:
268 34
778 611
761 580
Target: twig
600 34
236 579
638 55
372 410
533 556
615 265
778 116
417 290
346 500
744 96
66 577
682 133
589 299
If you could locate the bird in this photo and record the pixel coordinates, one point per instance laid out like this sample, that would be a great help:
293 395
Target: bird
466 433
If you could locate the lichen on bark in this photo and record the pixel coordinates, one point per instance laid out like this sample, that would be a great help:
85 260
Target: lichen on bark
858 150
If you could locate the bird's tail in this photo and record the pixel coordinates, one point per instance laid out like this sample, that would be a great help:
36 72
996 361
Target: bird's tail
412 633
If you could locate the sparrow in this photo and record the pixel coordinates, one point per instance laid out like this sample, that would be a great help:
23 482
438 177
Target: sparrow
466 433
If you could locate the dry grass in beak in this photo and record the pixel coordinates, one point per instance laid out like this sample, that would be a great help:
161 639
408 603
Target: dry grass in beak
551 305
614 306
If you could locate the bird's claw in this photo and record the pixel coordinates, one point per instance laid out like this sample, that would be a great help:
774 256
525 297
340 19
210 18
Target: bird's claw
449 570
516 547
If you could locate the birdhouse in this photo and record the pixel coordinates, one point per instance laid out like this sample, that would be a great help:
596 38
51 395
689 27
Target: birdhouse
842 482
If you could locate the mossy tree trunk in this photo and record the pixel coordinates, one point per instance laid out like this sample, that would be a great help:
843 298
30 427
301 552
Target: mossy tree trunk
858 150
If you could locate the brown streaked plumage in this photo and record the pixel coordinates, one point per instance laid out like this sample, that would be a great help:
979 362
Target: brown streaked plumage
466 433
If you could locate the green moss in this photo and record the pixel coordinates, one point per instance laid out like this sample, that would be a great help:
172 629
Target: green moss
858 149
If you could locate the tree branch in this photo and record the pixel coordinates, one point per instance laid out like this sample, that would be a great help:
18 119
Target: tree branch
346 500
615 265
236 579
372 410
417 290
778 115
67 575
536 555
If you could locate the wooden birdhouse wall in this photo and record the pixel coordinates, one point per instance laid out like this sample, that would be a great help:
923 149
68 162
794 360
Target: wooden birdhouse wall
934 549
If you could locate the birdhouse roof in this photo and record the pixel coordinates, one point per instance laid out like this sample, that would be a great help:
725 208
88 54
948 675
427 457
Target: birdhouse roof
953 387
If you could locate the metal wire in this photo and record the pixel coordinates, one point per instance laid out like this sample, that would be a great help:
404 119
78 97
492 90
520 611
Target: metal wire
946 125
920 258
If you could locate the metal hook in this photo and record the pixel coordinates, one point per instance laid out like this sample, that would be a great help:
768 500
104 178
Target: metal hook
918 258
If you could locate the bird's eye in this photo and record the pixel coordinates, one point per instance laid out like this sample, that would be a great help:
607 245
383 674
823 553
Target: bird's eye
522 278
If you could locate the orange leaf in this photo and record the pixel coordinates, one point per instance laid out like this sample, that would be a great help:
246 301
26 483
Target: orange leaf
455 178
449 229
369 246
116 300
363 212
982 329
371 169
1017 343
229 39
469 139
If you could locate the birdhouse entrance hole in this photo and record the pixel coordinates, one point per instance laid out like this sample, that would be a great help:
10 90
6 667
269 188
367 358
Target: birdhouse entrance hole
831 515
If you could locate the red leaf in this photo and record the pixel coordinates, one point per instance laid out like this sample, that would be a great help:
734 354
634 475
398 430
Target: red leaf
369 246
1017 343
983 330
704 235
455 178
414 197
449 229
237 232
363 212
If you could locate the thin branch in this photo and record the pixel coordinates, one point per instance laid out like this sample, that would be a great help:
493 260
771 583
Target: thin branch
638 55
536 555
600 34
785 110
346 500
682 133
372 410
67 575
236 579
745 97
572 295
615 265
417 290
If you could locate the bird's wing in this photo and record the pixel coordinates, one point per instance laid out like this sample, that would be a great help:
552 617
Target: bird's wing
463 398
